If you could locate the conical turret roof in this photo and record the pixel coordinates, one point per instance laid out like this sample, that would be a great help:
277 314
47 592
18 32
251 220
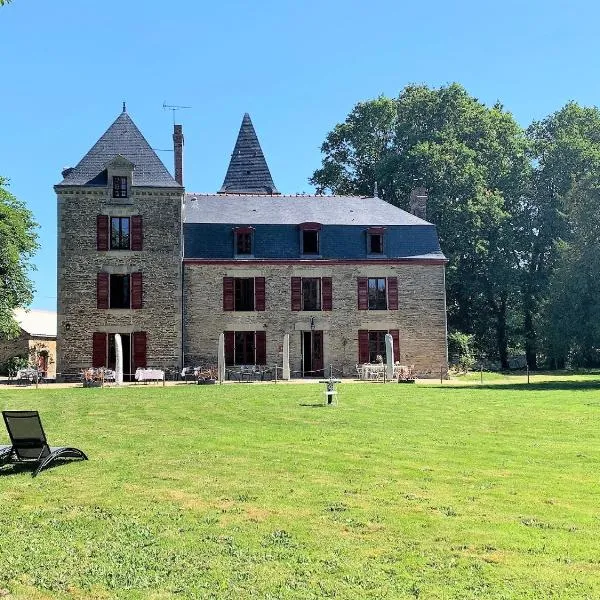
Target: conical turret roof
248 172
125 139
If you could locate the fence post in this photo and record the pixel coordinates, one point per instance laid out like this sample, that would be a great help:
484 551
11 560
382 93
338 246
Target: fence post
441 375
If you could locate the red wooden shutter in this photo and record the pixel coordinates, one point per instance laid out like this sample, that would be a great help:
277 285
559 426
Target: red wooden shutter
259 293
136 290
139 350
396 339
296 293
229 347
363 293
101 232
98 350
261 347
136 232
326 290
228 296
392 285
102 290
363 346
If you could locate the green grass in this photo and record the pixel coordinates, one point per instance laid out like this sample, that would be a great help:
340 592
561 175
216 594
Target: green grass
251 491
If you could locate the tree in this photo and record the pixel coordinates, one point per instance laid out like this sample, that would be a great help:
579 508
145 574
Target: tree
565 149
573 310
18 242
3 2
473 161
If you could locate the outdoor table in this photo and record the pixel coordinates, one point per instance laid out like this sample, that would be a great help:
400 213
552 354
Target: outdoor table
149 375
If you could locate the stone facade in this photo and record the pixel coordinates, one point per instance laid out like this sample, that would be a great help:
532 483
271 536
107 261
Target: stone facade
420 318
28 345
79 261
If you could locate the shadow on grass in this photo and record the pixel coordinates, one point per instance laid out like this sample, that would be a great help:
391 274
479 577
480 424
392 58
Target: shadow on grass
29 467
314 405
530 387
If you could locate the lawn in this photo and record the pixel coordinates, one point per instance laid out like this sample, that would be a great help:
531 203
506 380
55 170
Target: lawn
254 491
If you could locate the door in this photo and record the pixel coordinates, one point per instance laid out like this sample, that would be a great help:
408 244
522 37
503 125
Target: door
112 355
312 353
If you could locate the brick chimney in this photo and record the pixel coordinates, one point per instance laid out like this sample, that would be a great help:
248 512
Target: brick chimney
178 153
418 203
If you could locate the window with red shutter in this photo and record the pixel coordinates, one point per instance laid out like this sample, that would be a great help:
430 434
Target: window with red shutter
228 295
136 232
395 333
363 293
261 348
296 293
99 350
136 290
139 349
102 232
259 291
392 284
102 290
363 346
326 290
229 348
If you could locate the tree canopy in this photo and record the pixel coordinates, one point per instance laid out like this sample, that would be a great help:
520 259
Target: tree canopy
18 242
496 193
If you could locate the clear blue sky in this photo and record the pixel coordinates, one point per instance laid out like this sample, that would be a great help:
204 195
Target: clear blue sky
297 68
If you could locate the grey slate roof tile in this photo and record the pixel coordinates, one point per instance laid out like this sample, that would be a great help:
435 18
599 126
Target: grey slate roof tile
273 210
248 172
124 138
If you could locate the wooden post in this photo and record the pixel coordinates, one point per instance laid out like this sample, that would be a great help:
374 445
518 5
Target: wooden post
441 375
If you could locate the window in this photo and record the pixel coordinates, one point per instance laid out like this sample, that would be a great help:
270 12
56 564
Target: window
119 187
244 348
375 240
244 293
243 242
311 293
375 243
377 293
119 233
376 345
310 242
119 291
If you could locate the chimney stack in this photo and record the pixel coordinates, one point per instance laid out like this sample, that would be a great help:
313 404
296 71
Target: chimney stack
178 153
418 203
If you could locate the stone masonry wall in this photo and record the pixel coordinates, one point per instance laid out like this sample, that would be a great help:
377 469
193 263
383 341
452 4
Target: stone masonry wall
420 318
79 262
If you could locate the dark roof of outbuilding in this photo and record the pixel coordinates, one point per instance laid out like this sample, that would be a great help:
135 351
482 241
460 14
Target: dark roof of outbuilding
248 172
274 210
125 139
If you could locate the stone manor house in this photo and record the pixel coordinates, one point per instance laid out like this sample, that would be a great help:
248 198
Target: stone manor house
170 270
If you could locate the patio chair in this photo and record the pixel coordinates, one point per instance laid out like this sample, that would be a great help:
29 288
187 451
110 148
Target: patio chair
29 444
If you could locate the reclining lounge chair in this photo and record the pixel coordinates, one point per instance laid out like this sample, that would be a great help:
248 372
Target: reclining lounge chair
29 443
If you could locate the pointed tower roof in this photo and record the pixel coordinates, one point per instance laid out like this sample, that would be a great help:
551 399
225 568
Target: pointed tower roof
125 139
248 172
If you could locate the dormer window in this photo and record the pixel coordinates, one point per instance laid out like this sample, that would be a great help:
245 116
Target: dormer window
310 238
119 186
375 240
243 241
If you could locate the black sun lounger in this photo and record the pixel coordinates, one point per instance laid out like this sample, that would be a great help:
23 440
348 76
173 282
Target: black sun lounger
29 443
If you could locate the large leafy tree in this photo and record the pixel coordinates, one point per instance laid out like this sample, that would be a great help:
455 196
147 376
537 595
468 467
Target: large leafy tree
565 149
473 161
573 310
18 242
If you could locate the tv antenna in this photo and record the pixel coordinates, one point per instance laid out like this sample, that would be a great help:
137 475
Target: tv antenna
173 107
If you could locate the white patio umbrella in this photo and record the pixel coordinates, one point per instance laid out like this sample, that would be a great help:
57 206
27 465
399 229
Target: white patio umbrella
221 358
389 356
286 356
119 359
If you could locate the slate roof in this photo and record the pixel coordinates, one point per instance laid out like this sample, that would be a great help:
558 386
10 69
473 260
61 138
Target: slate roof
41 323
263 209
248 172
124 138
